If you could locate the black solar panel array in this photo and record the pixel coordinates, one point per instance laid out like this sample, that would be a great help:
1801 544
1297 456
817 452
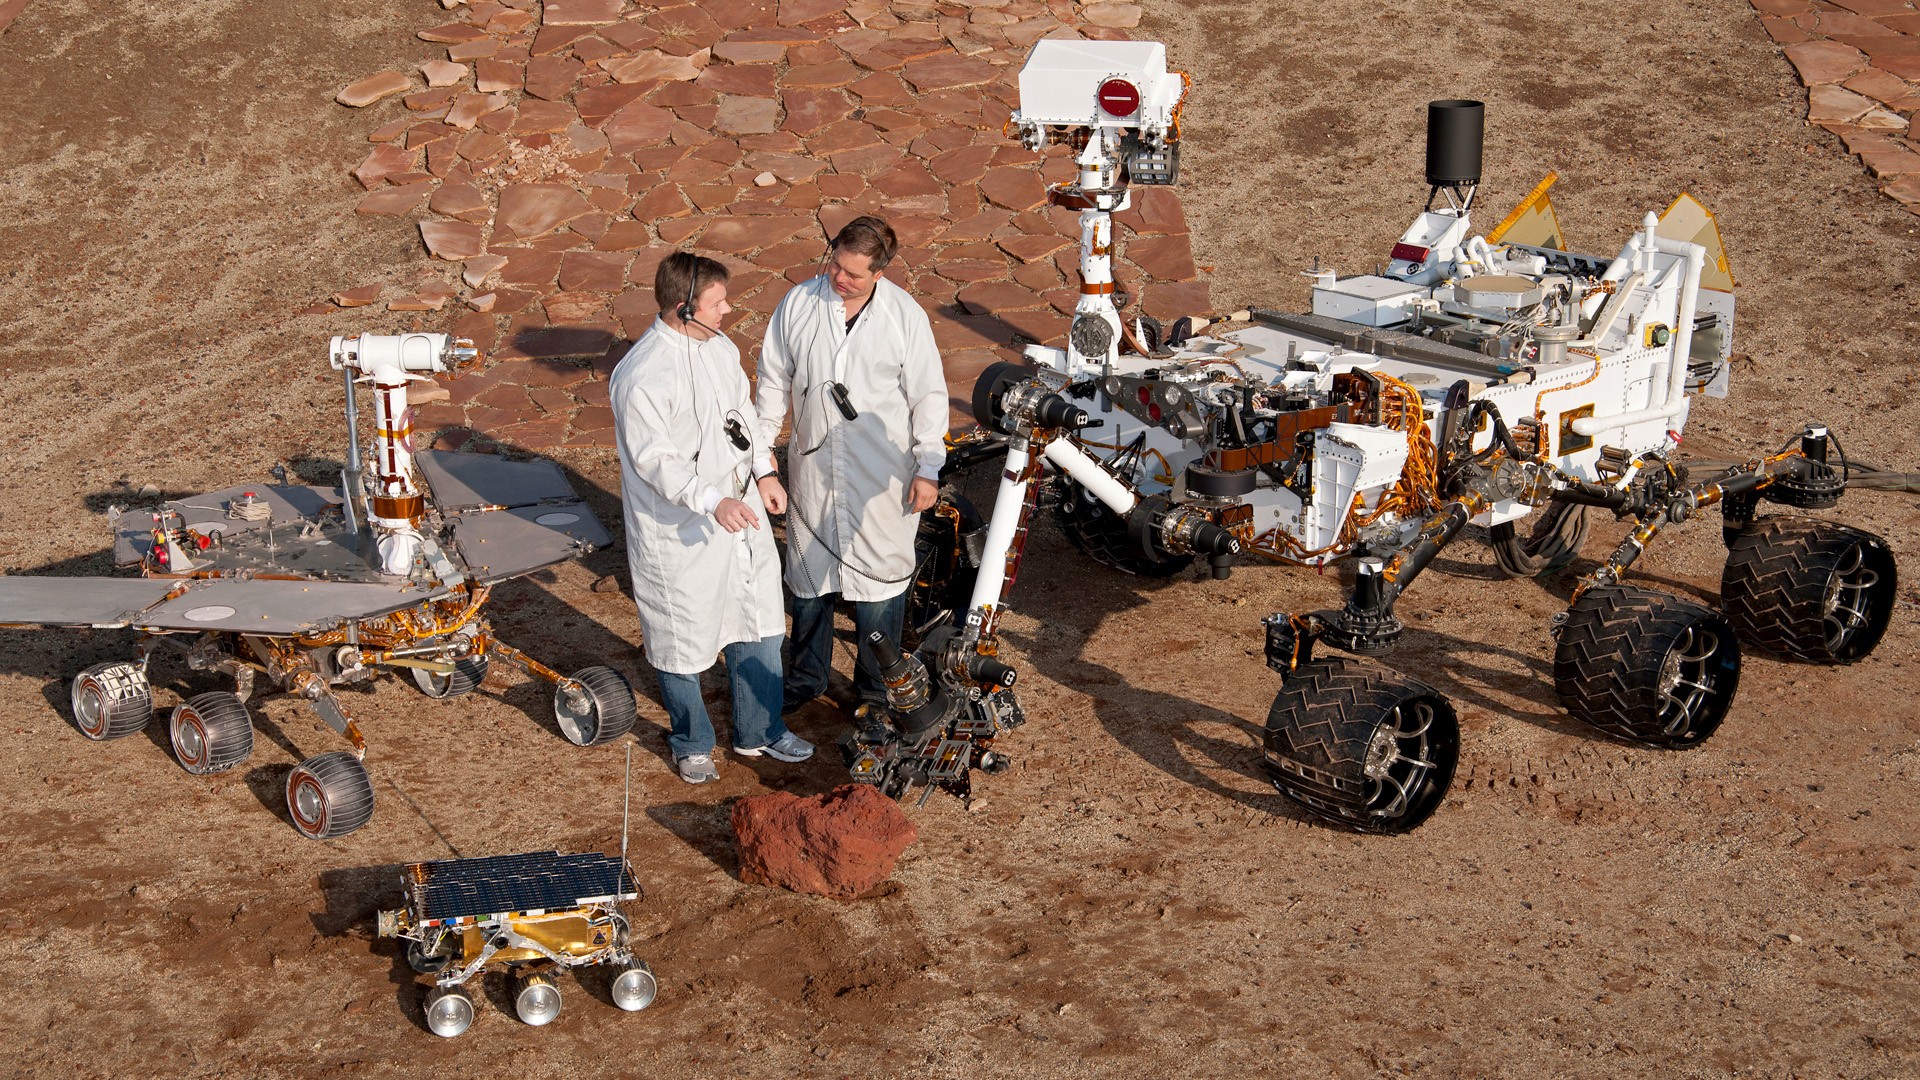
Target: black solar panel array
535 881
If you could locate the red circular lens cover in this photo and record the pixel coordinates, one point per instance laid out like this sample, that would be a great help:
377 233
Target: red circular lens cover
1118 97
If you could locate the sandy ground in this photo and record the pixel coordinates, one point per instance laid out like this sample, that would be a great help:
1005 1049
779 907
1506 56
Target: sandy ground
1132 899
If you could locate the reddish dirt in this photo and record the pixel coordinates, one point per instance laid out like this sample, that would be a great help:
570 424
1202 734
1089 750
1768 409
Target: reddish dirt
1132 898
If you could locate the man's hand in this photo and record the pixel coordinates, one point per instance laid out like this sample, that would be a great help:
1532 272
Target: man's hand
922 495
734 515
773 494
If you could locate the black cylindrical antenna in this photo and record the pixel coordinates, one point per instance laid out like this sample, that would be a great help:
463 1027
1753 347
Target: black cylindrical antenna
1454 132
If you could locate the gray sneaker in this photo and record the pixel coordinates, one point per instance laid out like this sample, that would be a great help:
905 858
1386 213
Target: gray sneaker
697 768
788 747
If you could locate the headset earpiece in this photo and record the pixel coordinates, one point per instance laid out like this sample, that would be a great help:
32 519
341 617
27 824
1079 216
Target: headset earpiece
685 311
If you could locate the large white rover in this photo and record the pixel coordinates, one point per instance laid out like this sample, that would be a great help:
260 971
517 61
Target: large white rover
1470 379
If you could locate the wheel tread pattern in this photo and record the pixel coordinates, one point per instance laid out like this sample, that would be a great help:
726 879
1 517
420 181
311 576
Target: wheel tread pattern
1774 587
126 698
614 711
1319 730
1606 662
349 792
225 726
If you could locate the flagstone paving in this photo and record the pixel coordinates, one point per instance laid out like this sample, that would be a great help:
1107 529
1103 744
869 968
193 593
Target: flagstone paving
1860 61
556 154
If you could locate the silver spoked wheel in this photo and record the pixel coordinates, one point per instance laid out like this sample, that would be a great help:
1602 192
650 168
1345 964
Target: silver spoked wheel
211 733
329 795
1687 680
449 1011
1646 666
1400 758
111 701
1847 609
467 674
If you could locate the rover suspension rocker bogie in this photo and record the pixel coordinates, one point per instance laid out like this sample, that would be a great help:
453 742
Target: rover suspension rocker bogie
1502 381
529 916
309 588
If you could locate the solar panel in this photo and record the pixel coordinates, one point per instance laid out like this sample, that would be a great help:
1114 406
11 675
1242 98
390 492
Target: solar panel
535 881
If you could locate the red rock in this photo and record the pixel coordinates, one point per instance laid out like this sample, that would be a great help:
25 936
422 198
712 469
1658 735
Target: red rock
430 100
1121 16
842 185
971 270
866 161
961 165
754 80
394 201
593 271
474 50
1906 191
1905 66
551 77
631 35
636 125
442 72
792 168
739 234
820 76
685 30
1032 248
470 107
359 296
949 73
997 297
978 227
1015 189
1170 300
747 115
598 103
681 232
897 52
661 203
451 33
796 12
575 308
452 240
810 110
840 844
697 170
1879 85
1825 61
881 88
1154 210
1829 103
1041 277
842 136
481 267
530 210
417 303
749 52
655 65
711 197
373 88
543 117
383 162
480 147
580 12
591 50
908 180
462 201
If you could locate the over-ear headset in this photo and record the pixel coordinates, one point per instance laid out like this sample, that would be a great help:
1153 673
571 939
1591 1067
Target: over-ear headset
685 311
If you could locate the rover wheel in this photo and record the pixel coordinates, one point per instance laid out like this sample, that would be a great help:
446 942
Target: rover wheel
426 962
1101 534
449 1011
329 795
468 672
1809 590
943 575
1361 745
211 732
111 701
634 987
1553 542
605 713
1645 666
536 1000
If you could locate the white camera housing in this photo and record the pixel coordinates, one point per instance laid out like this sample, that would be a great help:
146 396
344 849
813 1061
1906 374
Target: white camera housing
1090 84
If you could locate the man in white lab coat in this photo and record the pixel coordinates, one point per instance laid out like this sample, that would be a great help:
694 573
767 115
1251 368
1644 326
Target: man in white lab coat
853 356
696 482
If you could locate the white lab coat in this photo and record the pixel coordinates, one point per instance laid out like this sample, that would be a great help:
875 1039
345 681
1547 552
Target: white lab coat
698 587
850 494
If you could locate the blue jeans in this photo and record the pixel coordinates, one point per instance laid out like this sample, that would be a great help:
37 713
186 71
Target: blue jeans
753 674
810 645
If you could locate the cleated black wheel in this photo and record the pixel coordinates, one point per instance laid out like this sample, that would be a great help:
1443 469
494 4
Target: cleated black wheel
1809 590
329 795
944 572
211 732
111 701
1361 745
468 672
1101 534
1554 540
1645 666
601 710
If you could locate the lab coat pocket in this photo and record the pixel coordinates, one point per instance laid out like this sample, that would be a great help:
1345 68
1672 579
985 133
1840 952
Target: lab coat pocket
695 529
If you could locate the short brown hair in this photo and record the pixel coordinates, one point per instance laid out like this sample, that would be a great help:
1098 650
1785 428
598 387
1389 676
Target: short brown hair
683 276
870 236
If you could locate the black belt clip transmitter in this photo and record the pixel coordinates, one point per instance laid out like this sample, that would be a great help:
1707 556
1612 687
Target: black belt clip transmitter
838 392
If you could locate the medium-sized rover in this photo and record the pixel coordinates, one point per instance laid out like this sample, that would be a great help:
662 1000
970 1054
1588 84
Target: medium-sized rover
314 587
